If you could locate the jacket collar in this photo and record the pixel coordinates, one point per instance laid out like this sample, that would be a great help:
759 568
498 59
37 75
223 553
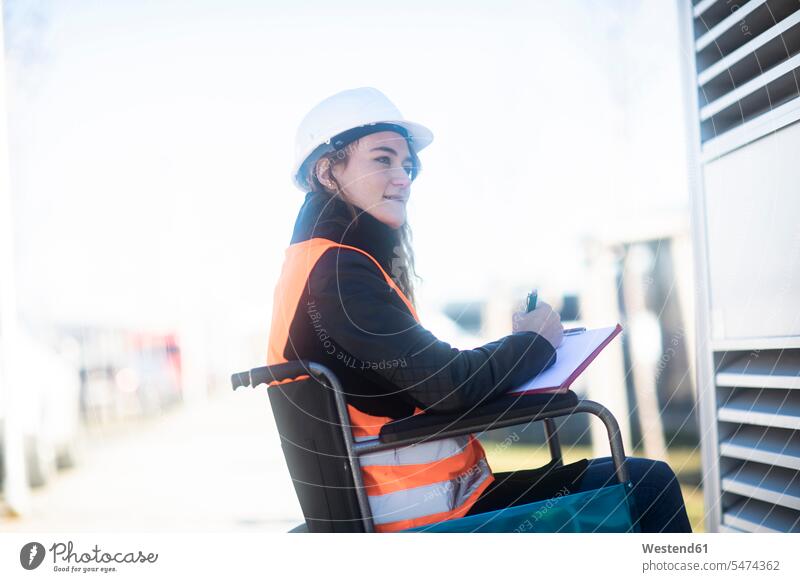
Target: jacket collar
325 216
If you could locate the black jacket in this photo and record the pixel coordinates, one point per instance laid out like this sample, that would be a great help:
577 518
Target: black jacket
350 320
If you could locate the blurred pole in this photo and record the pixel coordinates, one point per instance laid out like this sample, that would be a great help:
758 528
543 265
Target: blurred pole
605 378
194 358
15 485
684 275
645 349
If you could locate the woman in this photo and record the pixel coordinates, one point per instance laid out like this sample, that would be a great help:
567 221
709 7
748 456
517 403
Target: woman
345 299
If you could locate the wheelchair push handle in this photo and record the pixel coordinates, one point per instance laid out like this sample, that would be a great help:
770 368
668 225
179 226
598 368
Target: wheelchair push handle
267 374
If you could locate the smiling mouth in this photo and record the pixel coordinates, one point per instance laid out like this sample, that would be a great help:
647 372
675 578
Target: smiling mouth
396 199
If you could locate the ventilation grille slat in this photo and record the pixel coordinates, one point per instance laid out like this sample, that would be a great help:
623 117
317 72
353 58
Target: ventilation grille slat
772 408
709 13
768 369
757 516
729 529
775 485
773 446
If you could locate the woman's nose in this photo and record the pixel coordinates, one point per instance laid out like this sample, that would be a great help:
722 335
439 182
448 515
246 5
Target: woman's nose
400 177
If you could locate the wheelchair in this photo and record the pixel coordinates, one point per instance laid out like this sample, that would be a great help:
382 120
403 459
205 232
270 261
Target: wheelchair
323 457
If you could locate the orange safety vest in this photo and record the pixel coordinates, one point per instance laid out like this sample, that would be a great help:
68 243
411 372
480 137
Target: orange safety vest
409 486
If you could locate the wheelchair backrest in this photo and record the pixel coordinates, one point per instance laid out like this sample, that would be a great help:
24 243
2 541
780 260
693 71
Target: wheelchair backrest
313 445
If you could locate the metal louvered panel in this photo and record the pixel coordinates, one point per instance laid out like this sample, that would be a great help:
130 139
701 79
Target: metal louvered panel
756 55
742 96
722 27
758 408
734 101
748 65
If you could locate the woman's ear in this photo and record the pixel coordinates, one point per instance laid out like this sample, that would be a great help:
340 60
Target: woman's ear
323 171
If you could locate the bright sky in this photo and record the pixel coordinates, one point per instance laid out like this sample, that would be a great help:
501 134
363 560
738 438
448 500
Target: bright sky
152 141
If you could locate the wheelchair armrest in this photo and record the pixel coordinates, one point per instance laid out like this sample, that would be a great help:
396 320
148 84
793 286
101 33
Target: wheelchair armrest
504 411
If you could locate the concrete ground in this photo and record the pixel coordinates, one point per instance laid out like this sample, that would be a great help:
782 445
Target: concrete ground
216 466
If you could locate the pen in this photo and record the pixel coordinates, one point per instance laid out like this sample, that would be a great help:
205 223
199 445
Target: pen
532 297
574 330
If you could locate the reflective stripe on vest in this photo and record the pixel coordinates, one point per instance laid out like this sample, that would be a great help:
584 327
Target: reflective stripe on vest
401 510
409 486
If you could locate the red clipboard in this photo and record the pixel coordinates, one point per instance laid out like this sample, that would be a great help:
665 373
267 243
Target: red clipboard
573 356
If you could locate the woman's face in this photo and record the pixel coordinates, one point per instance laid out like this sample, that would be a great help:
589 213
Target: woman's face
376 177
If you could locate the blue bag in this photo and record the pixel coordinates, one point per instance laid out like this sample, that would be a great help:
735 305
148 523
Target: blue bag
608 509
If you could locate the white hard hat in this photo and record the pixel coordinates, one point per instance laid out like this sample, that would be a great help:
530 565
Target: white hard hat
364 106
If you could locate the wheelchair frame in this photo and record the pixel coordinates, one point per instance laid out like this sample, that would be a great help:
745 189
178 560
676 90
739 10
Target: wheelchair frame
355 450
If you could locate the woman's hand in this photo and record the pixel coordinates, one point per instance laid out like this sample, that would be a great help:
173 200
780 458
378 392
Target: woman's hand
542 320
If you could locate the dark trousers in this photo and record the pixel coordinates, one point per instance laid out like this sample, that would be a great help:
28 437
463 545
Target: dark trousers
656 493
